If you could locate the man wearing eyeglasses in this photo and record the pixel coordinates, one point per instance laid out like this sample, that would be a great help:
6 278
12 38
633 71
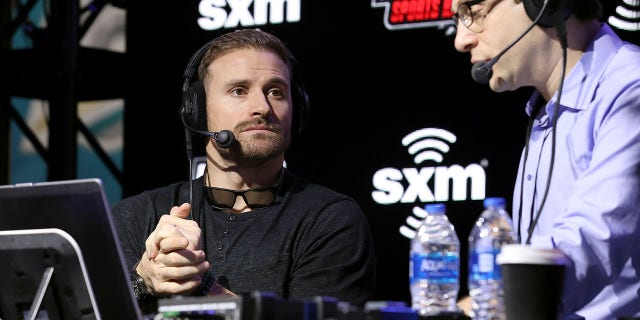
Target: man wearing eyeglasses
578 183
248 224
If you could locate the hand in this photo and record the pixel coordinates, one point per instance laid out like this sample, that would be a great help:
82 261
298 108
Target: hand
465 305
174 261
174 232
218 290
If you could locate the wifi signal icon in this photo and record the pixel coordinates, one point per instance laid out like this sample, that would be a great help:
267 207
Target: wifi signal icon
428 144
627 16
413 223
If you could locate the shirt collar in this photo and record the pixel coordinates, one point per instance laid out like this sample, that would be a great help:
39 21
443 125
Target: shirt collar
583 80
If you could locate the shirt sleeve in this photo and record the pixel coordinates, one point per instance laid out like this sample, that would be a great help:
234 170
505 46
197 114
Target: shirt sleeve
600 228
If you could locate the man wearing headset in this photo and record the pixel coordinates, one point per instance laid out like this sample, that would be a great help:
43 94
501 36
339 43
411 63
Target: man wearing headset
578 183
252 225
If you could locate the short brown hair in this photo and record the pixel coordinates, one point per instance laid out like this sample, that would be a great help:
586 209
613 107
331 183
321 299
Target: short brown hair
245 39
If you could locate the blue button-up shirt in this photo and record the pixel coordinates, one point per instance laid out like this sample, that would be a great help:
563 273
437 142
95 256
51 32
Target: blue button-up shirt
592 210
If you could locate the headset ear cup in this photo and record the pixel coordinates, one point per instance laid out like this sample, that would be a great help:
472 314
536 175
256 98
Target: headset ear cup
301 109
197 101
533 7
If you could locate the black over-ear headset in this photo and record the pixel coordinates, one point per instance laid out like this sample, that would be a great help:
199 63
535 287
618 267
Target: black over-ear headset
193 110
533 8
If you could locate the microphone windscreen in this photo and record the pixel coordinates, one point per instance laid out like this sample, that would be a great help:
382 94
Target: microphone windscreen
225 139
481 73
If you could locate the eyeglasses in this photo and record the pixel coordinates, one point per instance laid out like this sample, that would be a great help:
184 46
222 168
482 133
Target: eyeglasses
255 198
467 16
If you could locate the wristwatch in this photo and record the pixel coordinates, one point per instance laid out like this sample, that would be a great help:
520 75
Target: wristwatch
139 287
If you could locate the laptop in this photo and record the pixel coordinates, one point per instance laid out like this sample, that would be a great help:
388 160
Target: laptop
36 216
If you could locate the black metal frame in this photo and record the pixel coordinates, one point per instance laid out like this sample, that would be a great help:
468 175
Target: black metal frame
51 71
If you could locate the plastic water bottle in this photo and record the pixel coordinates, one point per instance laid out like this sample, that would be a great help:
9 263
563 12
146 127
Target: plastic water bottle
492 230
434 265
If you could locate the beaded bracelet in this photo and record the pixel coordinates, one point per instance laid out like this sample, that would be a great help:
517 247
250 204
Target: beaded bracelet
207 281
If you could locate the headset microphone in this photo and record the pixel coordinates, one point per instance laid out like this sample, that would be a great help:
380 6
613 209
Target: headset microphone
223 138
481 72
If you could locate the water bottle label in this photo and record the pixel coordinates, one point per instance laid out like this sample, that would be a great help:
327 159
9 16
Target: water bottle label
435 267
484 266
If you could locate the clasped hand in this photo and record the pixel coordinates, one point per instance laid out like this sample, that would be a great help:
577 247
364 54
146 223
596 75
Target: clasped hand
174 260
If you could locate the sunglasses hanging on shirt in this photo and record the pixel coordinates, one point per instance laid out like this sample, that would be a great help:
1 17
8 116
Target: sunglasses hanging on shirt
254 198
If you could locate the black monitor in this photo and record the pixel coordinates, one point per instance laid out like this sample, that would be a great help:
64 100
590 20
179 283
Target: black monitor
78 208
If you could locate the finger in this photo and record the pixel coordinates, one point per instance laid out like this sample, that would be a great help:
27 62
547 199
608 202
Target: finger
175 287
150 246
188 228
164 230
182 258
173 243
175 220
183 211
216 290
176 214
182 273
177 280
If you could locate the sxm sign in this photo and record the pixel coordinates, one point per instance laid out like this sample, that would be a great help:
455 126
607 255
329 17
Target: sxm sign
425 184
433 183
449 183
217 14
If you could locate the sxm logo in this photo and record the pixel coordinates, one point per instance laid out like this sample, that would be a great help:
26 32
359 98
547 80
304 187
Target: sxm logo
216 14
424 184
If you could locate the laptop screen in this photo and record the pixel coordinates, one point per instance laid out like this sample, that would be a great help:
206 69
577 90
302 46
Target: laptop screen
79 208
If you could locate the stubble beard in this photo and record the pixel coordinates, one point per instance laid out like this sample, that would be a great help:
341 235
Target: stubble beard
257 149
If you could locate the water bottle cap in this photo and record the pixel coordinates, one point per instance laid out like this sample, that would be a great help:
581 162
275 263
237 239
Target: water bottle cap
495 202
435 208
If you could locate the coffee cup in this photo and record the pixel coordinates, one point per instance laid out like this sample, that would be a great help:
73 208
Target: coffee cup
532 280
